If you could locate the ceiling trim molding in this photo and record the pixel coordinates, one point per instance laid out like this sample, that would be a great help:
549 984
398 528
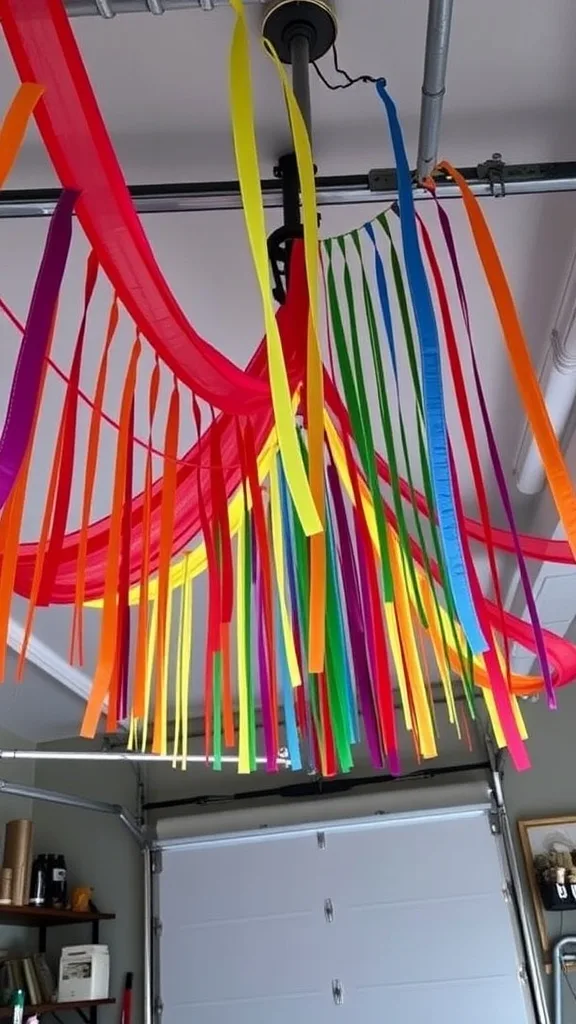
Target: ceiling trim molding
39 654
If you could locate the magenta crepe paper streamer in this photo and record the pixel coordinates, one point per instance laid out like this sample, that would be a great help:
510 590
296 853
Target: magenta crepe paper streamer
497 464
33 347
354 616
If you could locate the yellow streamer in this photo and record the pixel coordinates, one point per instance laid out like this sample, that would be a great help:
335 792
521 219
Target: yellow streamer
241 107
278 550
427 740
187 597
153 628
314 369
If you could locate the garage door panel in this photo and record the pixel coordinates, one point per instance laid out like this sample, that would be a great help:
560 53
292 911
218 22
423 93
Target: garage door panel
312 1007
419 853
254 878
465 1001
417 926
435 940
256 959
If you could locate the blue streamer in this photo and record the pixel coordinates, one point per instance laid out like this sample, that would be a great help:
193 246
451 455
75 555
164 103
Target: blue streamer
434 414
292 740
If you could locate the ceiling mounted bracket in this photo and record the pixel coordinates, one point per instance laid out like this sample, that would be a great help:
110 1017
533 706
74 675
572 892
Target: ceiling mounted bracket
494 172
286 20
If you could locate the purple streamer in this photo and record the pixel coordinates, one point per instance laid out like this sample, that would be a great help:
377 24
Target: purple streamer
27 378
271 752
354 616
497 463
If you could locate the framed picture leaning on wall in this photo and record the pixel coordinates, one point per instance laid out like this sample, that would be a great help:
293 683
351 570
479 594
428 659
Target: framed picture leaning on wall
549 849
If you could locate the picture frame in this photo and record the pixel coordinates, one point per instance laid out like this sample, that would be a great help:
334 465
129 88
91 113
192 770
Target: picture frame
538 837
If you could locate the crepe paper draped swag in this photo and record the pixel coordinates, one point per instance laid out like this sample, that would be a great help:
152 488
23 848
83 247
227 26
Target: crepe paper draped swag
44 50
332 580
24 392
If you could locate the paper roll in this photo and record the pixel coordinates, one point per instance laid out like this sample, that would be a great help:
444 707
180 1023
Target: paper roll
18 856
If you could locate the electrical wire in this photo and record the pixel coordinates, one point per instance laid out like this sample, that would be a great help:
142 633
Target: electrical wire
349 81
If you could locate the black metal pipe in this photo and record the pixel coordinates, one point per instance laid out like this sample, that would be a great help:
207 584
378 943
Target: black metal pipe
379 186
320 787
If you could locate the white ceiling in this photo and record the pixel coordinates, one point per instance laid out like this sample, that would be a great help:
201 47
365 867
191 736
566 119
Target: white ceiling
162 84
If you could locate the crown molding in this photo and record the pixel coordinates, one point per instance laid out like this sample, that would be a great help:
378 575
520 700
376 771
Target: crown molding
39 654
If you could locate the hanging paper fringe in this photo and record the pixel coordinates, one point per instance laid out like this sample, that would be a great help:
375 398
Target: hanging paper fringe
323 607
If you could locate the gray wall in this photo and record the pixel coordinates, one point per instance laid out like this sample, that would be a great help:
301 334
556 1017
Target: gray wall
548 790
100 852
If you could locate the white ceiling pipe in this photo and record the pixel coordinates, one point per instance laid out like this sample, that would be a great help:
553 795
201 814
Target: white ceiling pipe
558 382
119 755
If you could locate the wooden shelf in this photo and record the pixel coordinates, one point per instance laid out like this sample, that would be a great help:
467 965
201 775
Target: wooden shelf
82 1004
44 917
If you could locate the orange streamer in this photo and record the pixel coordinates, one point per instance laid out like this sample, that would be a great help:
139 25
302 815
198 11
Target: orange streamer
89 483
519 355
106 663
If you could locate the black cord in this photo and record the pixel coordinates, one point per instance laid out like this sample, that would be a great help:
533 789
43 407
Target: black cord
349 81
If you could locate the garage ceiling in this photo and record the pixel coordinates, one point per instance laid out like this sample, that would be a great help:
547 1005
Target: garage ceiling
162 85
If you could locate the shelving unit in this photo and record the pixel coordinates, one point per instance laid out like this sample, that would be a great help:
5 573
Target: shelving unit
85 1004
43 918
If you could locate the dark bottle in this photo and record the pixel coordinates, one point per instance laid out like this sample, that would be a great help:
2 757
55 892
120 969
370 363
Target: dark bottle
57 885
38 881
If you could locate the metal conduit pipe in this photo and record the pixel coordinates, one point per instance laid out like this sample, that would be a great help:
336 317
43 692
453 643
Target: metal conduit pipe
117 755
433 85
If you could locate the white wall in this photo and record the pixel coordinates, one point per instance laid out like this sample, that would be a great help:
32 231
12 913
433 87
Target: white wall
99 852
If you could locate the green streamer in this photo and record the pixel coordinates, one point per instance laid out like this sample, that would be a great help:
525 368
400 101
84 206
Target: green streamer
335 656
408 561
358 408
467 679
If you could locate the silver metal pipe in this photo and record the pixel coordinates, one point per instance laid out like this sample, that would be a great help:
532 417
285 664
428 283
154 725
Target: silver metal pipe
557 971
433 85
53 797
300 59
131 824
115 755
86 8
147 950
171 198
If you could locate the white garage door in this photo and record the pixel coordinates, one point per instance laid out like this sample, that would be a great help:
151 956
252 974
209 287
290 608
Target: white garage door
401 919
